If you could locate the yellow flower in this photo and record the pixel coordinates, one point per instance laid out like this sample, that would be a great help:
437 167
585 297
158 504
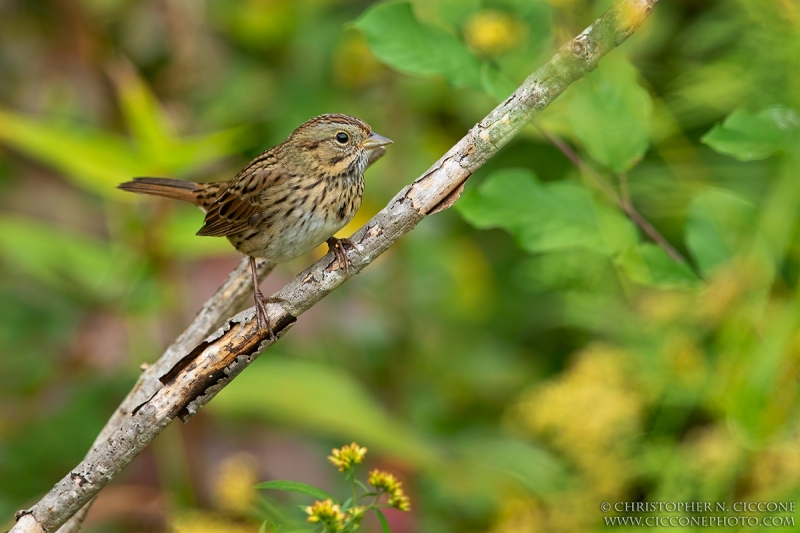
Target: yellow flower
400 501
328 514
233 488
349 456
355 516
491 32
385 482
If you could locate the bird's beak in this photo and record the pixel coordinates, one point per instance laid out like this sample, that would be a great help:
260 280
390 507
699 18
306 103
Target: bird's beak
374 141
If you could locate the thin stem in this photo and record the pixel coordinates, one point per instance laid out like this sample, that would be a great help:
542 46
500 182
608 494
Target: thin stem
623 201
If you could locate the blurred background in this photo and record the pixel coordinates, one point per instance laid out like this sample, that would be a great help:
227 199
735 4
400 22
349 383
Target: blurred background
515 360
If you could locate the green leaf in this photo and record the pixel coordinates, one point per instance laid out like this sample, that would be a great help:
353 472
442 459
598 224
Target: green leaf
398 39
384 523
263 528
146 120
324 400
747 136
99 161
295 486
648 264
534 468
718 226
93 159
610 113
65 259
495 83
545 217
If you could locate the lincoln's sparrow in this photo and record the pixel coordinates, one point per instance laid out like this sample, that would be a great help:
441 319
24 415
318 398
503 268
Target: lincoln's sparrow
287 200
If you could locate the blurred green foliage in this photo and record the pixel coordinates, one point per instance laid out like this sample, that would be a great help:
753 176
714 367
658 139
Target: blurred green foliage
518 360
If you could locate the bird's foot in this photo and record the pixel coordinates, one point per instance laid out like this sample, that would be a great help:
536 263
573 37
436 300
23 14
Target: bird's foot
337 246
262 317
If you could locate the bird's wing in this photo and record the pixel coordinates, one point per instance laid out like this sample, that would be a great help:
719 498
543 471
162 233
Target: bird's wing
237 207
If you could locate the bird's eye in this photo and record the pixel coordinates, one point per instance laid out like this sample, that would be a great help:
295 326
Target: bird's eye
342 137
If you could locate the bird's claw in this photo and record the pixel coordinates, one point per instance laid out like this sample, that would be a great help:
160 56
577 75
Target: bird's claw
337 246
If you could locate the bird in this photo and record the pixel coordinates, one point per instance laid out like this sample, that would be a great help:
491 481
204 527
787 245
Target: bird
289 199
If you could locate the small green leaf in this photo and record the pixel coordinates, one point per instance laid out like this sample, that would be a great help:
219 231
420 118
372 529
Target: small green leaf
748 136
146 120
263 528
363 487
648 264
295 486
398 39
384 523
718 226
610 113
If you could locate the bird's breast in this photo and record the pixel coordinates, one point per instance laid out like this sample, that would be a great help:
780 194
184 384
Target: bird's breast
301 218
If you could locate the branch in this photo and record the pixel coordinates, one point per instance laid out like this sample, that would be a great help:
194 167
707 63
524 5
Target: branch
200 374
231 296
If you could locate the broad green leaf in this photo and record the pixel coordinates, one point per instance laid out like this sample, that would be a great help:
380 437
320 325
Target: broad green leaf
65 259
648 264
545 217
447 13
718 226
323 400
98 161
398 39
295 486
610 113
93 159
384 523
748 136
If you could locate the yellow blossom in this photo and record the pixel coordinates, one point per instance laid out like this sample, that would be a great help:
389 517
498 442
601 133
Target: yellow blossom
328 514
491 32
356 515
347 457
400 501
385 482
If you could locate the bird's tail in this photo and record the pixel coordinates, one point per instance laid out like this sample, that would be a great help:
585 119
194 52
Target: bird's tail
187 191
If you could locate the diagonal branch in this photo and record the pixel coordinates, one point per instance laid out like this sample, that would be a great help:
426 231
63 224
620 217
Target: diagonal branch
204 370
231 296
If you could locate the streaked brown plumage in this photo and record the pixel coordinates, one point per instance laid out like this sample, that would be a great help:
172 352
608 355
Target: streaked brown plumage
289 199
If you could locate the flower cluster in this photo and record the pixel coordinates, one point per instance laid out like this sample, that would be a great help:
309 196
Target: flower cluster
349 456
347 517
331 516
327 513
385 482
